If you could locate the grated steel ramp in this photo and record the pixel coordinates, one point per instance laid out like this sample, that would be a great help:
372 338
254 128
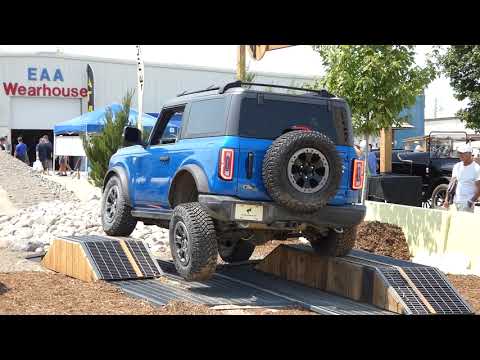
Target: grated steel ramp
422 289
241 285
437 290
411 300
111 261
317 300
145 261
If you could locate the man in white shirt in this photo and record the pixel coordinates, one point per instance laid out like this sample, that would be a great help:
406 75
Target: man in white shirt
467 175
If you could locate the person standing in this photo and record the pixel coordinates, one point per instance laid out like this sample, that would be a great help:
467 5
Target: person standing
44 150
36 149
466 175
372 161
21 151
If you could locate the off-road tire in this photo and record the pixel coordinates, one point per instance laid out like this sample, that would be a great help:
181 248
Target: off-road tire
242 251
275 164
333 244
440 188
123 223
202 242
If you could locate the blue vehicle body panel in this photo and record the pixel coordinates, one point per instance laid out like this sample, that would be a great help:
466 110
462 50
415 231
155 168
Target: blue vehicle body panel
150 175
253 189
150 178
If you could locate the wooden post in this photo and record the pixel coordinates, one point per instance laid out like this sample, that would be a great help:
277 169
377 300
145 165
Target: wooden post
241 63
386 150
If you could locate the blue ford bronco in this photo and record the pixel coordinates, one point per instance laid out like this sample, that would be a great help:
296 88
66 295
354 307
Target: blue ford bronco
231 167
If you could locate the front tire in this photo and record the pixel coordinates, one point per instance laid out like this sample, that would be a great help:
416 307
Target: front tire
117 219
333 243
193 242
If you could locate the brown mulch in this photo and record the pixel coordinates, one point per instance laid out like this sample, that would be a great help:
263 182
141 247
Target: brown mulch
45 293
382 239
372 236
468 287
265 249
55 294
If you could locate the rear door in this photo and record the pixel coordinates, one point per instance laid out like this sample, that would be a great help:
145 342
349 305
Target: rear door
265 117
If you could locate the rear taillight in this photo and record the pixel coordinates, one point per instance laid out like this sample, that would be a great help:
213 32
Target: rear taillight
225 169
358 171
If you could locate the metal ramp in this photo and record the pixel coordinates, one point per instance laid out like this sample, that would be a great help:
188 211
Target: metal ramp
92 258
242 285
360 283
423 289
395 285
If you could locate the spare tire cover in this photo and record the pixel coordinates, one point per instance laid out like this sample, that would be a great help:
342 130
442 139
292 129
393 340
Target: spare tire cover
302 170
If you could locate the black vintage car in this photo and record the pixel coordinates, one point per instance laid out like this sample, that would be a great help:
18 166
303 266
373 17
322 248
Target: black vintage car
432 157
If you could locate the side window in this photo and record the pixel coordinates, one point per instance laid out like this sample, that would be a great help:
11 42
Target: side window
207 118
168 129
172 130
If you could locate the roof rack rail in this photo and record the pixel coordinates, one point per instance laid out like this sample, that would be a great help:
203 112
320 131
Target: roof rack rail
236 84
210 88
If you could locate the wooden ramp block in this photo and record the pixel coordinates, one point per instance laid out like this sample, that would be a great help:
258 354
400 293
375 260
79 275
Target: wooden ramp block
91 258
340 276
68 257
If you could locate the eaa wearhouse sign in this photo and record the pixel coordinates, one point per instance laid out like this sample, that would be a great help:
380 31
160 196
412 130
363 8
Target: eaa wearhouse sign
47 76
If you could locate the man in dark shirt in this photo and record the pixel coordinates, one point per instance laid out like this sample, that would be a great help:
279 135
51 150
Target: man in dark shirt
45 153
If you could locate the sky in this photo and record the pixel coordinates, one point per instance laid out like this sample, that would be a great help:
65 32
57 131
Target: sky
299 60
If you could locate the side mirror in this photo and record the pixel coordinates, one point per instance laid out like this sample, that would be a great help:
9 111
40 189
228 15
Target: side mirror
132 136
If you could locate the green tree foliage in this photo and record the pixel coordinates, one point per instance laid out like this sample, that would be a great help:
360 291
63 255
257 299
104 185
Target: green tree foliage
249 76
461 63
100 148
377 81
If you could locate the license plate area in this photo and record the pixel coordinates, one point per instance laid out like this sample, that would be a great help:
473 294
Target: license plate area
249 212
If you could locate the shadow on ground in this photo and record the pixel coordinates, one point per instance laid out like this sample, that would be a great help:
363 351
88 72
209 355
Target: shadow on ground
3 288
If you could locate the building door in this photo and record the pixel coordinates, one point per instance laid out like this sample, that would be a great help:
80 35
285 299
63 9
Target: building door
33 117
31 139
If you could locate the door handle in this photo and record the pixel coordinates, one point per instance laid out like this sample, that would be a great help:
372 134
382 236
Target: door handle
164 158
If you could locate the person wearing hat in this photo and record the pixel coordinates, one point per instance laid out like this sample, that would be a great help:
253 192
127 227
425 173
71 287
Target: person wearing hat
466 174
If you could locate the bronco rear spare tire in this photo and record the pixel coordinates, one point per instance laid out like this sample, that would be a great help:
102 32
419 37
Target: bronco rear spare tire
302 170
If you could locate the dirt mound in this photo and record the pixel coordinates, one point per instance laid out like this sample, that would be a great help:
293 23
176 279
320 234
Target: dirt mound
382 239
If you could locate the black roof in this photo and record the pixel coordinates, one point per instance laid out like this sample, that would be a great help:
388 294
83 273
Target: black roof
237 87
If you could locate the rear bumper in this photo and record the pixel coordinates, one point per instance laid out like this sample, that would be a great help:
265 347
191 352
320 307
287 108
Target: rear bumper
223 208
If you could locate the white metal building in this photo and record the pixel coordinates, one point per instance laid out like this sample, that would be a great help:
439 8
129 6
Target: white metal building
38 90
445 124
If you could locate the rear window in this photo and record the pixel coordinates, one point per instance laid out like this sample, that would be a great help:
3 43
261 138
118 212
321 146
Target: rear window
207 118
271 118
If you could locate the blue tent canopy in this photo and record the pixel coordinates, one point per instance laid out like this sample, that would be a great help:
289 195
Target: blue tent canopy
92 122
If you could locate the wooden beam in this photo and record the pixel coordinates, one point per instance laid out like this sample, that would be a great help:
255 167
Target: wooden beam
386 150
130 258
276 47
241 67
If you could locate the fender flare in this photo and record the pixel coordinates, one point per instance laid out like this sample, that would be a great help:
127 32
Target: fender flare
121 173
201 180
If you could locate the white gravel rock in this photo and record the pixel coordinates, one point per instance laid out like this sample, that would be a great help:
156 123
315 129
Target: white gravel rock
3 243
35 227
24 233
